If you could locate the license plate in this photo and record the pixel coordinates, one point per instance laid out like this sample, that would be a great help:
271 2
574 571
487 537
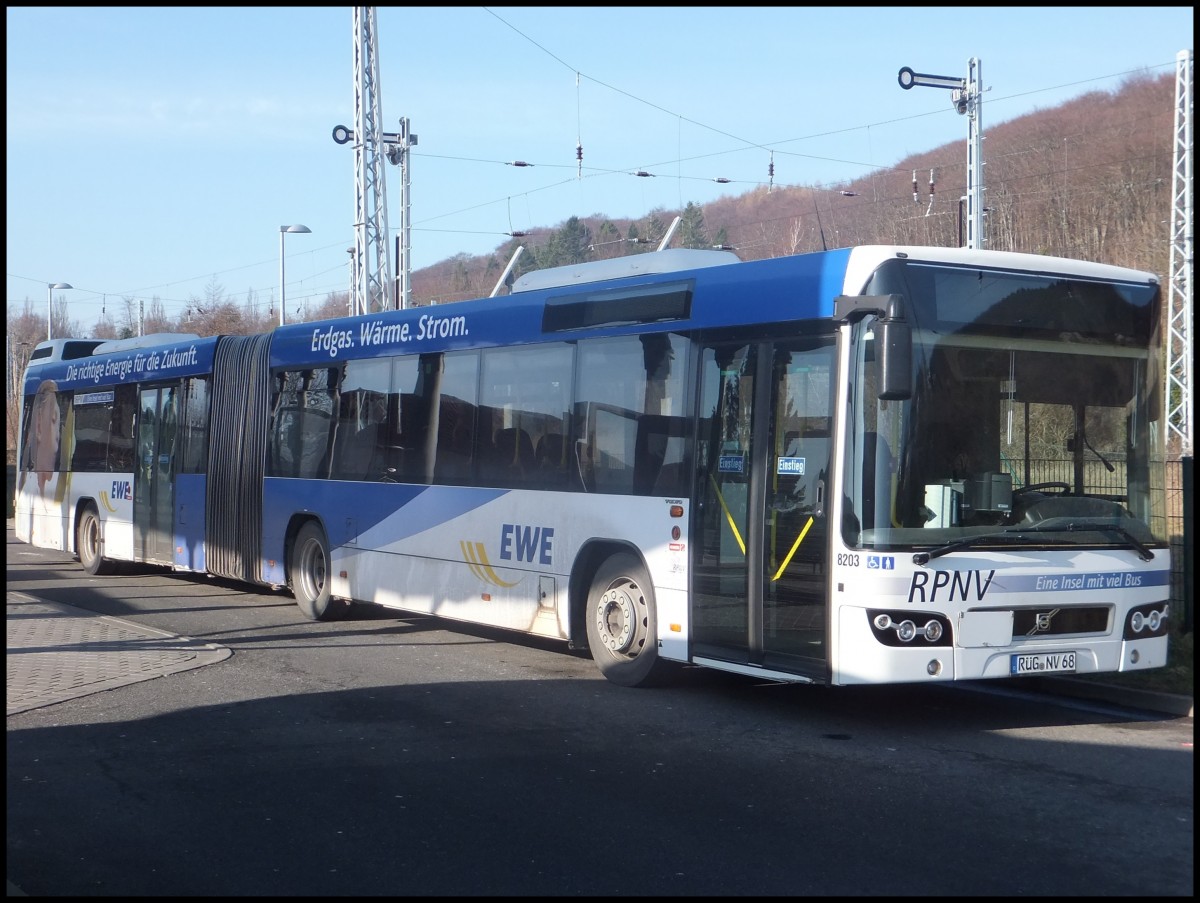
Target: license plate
1042 663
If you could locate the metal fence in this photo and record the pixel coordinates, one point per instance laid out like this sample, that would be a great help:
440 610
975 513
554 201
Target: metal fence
1179 528
1098 480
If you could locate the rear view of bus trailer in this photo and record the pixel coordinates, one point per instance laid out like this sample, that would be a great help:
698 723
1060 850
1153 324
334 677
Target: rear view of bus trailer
862 466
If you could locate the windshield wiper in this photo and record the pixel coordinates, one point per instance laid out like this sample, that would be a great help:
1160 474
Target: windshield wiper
1013 536
1022 537
1103 460
1144 551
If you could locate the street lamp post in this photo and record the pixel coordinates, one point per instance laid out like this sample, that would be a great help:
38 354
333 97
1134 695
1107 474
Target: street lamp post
50 287
283 230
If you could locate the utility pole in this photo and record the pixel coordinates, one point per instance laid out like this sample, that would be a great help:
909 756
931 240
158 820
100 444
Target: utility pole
967 97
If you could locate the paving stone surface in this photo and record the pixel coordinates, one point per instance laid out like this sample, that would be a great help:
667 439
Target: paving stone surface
57 652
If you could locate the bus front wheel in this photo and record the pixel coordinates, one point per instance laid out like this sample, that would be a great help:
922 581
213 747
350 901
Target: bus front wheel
89 543
622 627
309 572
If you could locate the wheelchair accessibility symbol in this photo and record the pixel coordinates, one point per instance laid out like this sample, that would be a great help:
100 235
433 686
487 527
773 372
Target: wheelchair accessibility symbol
881 563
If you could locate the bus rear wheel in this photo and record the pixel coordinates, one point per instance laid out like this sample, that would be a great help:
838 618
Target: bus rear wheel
622 627
89 543
308 566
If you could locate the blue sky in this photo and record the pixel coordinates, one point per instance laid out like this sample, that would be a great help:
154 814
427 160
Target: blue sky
156 152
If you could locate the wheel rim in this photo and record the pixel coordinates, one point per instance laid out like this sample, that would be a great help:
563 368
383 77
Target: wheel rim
312 569
619 617
89 538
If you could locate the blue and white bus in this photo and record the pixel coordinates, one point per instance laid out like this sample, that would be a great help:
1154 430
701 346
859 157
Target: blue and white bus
861 466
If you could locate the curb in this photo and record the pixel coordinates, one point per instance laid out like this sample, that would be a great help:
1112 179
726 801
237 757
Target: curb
1130 697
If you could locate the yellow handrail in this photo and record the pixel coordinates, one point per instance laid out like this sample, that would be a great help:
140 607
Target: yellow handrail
792 551
728 516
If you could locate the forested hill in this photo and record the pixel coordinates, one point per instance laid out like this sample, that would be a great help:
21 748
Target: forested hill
1091 179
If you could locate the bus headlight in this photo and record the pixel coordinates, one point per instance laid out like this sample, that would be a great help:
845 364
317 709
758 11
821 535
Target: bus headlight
899 628
1147 621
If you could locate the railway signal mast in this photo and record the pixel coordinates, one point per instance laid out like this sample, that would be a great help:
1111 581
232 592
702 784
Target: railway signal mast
967 97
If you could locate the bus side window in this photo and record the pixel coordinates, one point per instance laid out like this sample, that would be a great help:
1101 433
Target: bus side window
120 443
454 445
356 446
193 448
169 428
93 424
628 404
407 454
550 459
585 468
361 439
512 456
459 420
302 424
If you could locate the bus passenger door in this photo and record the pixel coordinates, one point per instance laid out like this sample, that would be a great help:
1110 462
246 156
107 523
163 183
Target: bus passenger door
154 477
759 544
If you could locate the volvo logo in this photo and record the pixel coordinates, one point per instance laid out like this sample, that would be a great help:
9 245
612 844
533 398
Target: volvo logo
1041 621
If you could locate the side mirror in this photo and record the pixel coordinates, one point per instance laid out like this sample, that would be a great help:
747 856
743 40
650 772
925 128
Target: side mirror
893 339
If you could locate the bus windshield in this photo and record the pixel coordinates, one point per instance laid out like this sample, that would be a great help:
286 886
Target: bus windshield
1017 430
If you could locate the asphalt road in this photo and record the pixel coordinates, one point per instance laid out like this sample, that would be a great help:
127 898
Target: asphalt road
408 756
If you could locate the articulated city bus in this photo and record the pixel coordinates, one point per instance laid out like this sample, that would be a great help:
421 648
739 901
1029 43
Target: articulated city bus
869 465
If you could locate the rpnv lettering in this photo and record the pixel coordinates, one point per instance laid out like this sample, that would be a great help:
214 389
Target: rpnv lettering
526 543
957 585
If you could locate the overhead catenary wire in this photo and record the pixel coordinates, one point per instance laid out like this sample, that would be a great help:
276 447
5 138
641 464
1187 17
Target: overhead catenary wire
579 171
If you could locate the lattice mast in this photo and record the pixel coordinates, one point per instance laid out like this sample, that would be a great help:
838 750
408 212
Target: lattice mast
370 261
1179 336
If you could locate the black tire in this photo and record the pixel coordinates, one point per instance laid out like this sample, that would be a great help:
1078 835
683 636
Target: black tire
89 543
308 570
622 627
